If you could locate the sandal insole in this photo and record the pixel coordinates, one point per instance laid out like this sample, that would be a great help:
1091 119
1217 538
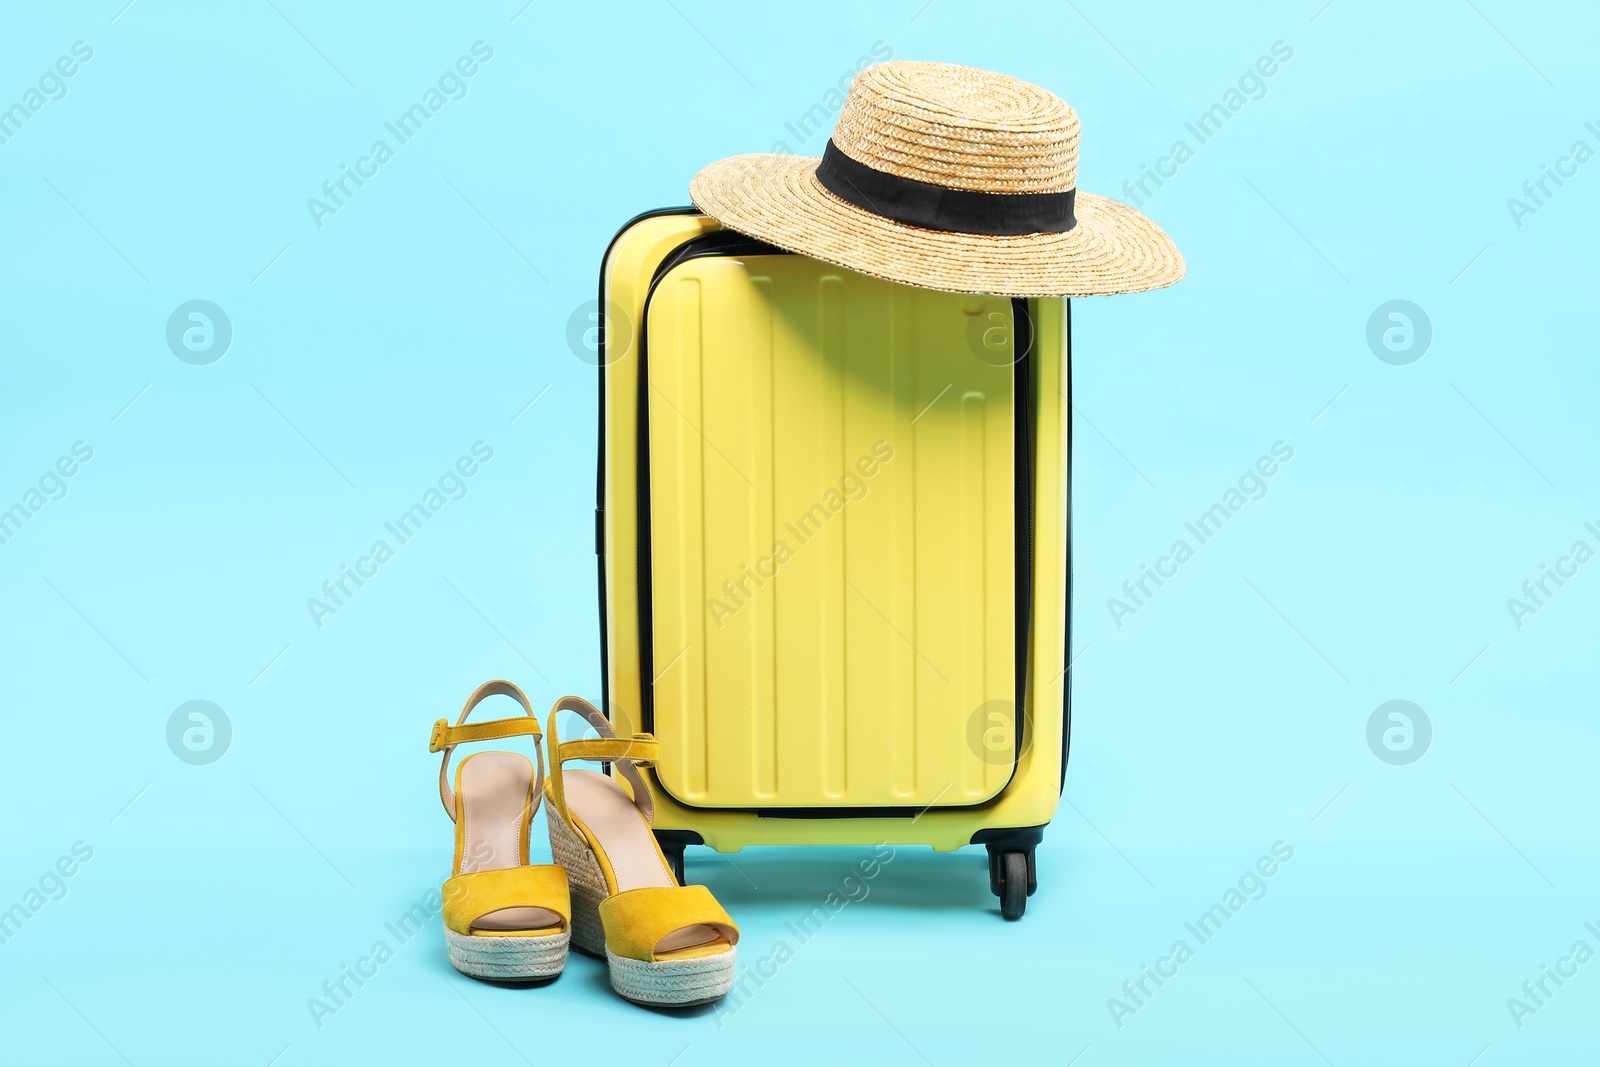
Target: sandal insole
612 820
494 797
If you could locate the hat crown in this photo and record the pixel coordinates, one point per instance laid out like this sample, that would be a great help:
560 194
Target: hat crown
959 127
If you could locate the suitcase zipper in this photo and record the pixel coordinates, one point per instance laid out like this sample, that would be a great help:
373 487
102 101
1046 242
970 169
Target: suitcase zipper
1066 661
727 242
716 243
600 447
1022 388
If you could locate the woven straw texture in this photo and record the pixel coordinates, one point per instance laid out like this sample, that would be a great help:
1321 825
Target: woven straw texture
587 884
507 958
678 983
961 128
664 982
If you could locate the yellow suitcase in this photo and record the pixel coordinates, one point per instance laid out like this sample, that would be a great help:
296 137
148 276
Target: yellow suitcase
832 531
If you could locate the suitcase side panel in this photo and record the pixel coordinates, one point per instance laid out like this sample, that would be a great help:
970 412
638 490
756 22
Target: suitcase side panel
832 473
1031 798
626 274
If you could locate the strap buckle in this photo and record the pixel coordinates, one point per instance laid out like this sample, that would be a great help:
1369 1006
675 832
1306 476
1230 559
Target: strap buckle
445 737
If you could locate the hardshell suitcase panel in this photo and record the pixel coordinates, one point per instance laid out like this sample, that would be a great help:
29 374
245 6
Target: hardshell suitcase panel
832 527
1013 817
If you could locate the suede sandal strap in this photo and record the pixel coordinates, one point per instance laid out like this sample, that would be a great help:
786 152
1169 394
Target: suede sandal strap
625 754
640 749
446 737
469 897
637 920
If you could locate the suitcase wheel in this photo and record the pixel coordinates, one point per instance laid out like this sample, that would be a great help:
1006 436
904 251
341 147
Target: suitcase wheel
1013 878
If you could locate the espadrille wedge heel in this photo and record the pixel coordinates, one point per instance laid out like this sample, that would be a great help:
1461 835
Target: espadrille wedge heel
666 945
504 919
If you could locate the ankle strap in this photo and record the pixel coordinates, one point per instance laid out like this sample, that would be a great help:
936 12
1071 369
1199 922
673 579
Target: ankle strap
446 737
625 753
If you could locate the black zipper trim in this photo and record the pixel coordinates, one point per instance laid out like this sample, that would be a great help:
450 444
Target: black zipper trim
731 243
1066 680
719 242
600 445
1022 494
600 557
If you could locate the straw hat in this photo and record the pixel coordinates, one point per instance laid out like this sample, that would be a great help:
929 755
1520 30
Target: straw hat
949 178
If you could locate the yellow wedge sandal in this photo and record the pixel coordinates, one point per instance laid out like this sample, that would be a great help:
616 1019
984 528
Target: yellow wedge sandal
504 919
666 944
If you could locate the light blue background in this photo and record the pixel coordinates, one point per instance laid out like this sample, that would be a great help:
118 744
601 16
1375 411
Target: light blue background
426 314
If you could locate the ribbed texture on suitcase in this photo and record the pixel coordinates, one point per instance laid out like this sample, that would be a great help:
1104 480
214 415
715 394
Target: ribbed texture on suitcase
832 542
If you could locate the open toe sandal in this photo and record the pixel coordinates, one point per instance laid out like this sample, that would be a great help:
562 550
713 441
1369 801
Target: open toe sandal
504 919
665 944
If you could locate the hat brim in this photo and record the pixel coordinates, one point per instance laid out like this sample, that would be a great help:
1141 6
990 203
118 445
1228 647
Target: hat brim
777 198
